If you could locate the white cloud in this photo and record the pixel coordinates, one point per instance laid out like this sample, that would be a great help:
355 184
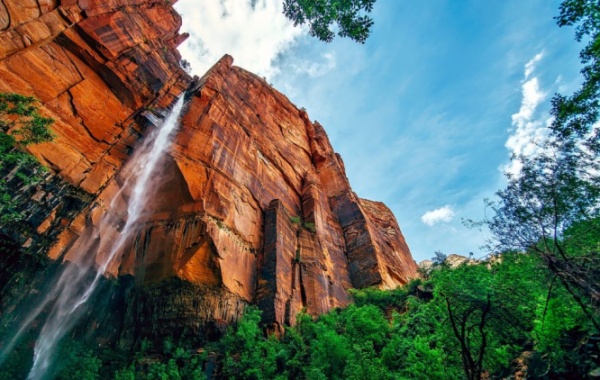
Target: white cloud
253 35
530 66
528 131
442 214
532 97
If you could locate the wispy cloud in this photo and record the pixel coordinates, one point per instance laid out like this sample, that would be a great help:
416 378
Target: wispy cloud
530 66
316 69
254 33
528 130
442 214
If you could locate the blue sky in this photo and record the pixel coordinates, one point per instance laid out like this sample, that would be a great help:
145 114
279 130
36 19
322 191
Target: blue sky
427 112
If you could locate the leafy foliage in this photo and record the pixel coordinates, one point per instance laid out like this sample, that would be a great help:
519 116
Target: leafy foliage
28 125
499 308
20 125
77 362
553 207
172 362
488 316
322 15
248 354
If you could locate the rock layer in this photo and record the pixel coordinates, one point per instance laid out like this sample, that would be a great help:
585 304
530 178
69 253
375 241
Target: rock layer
256 207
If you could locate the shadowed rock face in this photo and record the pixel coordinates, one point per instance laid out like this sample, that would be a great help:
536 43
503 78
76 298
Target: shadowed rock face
256 206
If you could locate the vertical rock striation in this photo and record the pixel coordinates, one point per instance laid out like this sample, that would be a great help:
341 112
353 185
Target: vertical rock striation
256 206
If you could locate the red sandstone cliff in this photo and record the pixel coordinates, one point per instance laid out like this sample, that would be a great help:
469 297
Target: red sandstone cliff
93 65
257 207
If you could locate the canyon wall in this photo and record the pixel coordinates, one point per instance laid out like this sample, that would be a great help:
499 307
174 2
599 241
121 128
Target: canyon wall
255 207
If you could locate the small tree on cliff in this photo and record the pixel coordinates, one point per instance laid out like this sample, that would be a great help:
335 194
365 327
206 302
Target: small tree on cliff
20 125
323 15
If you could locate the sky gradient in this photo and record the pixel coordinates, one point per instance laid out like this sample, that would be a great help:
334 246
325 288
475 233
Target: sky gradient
427 113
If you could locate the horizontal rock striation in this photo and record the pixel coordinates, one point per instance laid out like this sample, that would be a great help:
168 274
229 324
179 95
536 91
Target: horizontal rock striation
256 206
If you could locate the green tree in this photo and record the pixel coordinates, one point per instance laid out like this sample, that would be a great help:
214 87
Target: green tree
560 187
249 355
170 362
322 16
559 327
416 348
77 362
488 314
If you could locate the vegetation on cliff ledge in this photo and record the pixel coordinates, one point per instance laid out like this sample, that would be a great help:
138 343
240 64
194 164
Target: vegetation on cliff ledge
20 125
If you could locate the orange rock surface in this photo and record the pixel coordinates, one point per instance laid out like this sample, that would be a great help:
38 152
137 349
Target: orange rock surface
93 65
256 207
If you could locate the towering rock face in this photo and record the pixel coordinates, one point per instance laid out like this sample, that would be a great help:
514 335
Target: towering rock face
256 206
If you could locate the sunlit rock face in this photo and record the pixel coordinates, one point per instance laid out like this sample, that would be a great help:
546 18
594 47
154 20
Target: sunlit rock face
264 208
93 64
254 206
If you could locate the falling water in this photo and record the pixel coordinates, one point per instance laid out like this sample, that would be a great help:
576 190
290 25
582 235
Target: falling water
80 278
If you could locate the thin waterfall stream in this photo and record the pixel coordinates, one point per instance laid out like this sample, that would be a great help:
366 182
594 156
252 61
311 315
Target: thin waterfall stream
94 254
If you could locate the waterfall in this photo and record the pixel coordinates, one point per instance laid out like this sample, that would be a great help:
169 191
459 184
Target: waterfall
80 277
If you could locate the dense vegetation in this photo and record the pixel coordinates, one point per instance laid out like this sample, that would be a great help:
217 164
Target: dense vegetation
493 319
